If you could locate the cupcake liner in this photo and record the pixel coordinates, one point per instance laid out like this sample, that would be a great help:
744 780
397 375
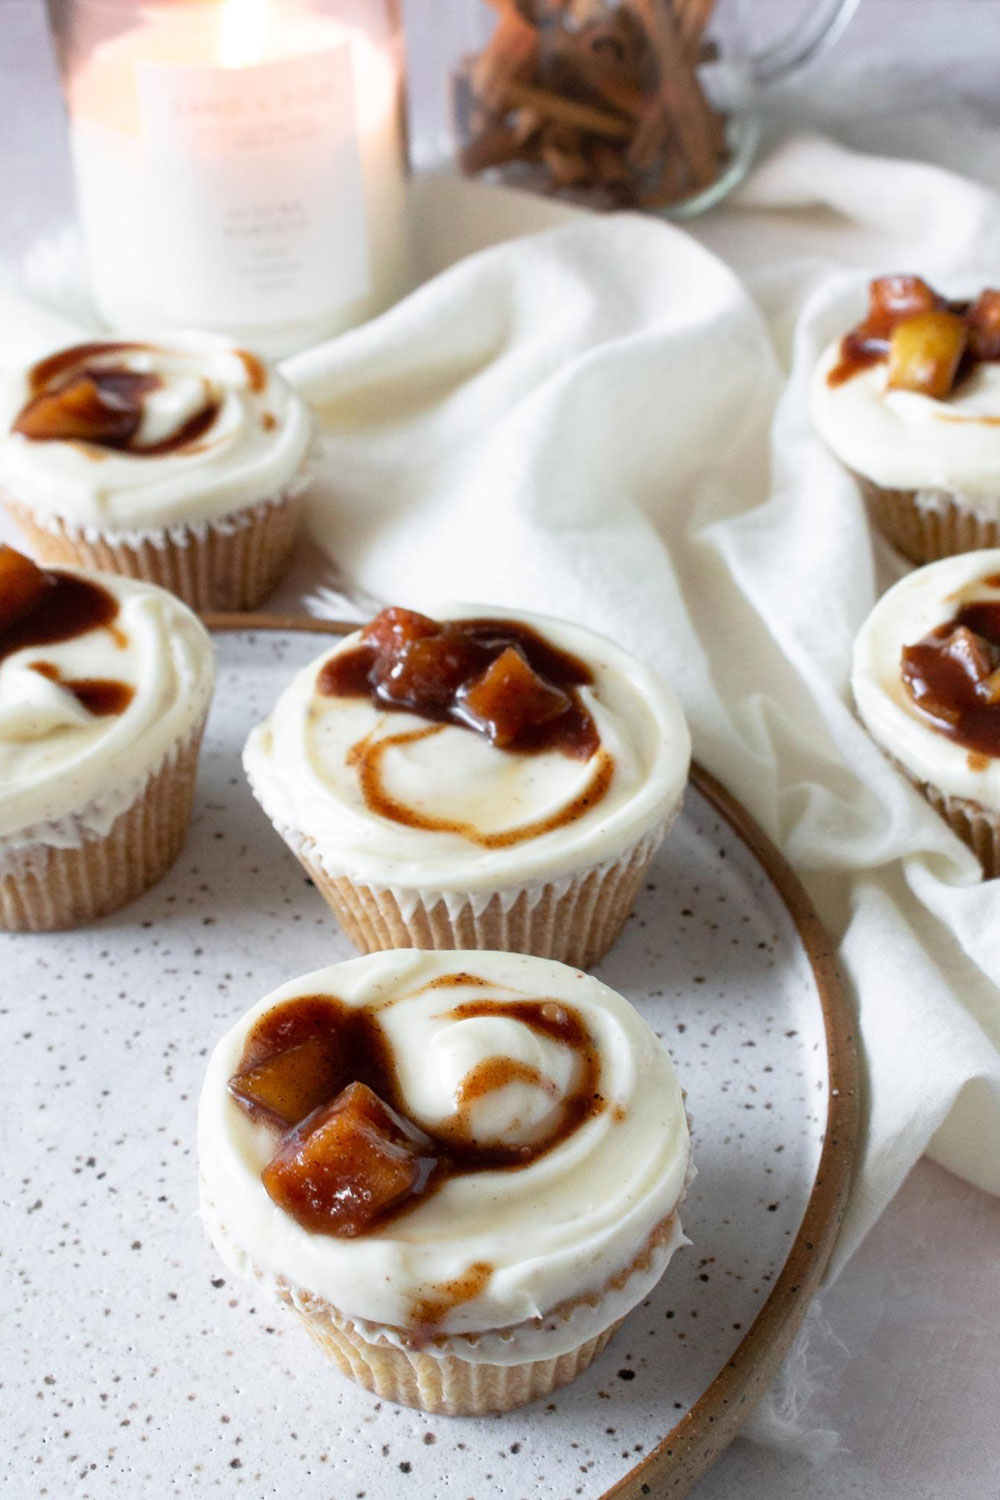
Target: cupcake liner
925 525
975 825
44 887
468 1374
451 1386
227 564
574 920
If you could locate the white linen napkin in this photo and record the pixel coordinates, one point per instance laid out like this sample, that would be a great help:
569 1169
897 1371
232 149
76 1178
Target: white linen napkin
600 421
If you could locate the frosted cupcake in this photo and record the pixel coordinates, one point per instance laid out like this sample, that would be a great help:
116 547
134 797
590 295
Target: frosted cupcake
181 461
909 401
461 1170
927 684
485 781
104 688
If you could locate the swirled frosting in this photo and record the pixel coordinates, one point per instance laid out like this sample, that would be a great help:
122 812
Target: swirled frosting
919 605
391 799
85 718
493 1245
124 436
904 440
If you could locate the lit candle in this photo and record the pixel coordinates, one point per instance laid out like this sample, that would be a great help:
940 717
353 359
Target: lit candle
240 167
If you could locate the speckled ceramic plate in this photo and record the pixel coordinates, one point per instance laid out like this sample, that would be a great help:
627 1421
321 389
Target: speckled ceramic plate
133 1365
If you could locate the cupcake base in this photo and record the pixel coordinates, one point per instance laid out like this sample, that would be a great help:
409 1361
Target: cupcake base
467 1375
45 888
228 564
449 1386
574 920
925 525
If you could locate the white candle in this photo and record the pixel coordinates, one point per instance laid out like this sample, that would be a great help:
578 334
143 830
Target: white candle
240 167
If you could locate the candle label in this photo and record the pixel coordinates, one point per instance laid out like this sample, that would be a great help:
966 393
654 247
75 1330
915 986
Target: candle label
257 187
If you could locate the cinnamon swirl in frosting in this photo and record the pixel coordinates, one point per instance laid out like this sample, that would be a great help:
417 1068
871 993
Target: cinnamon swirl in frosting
482 779
181 459
461 1169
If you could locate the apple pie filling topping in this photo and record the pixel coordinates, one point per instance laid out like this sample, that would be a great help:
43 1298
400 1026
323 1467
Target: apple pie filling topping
953 675
321 1075
929 343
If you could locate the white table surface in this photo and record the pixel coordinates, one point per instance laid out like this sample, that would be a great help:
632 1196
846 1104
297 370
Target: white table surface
908 1339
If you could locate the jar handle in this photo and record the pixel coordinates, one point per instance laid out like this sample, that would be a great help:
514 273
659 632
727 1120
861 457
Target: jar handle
821 25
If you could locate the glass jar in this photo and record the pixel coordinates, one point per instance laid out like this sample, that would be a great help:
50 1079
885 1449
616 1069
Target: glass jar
240 164
615 103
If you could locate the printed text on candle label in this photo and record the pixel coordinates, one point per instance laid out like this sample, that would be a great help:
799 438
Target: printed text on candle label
258 188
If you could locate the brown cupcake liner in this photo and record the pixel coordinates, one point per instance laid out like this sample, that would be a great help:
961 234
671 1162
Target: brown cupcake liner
449 1386
575 923
975 825
228 564
925 525
45 888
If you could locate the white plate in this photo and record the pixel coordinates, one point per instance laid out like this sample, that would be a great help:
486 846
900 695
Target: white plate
133 1365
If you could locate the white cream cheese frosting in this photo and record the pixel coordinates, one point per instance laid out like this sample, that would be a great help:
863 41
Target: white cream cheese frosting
255 447
559 1228
303 767
924 599
906 441
65 771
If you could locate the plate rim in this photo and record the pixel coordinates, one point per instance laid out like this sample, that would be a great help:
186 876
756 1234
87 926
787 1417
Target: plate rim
694 1443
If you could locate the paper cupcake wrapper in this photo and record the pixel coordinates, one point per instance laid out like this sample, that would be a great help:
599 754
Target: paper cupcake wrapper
44 888
975 825
925 525
574 920
230 563
467 1374
451 1386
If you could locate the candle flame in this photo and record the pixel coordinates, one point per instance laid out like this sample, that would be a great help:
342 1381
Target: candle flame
243 32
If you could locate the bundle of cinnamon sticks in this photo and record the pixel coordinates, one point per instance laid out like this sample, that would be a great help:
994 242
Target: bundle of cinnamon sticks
602 97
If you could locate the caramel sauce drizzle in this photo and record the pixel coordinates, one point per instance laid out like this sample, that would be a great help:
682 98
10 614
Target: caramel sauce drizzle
81 395
43 607
498 678
361 672
40 607
303 1057
893 299
103 697
951 675
368 755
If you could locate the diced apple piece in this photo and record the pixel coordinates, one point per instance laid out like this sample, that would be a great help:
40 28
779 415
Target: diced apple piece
22 584
79 413
290 1085
924 353
509 698
892 298
348 1165
983 323
974 654
427 673
391 630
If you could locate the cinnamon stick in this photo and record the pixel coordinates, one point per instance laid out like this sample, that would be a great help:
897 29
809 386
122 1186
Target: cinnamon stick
600 96
680 93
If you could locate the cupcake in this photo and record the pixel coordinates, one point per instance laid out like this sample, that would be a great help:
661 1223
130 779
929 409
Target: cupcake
461 1170
491 780
909 401
181 461
104 688
927 685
